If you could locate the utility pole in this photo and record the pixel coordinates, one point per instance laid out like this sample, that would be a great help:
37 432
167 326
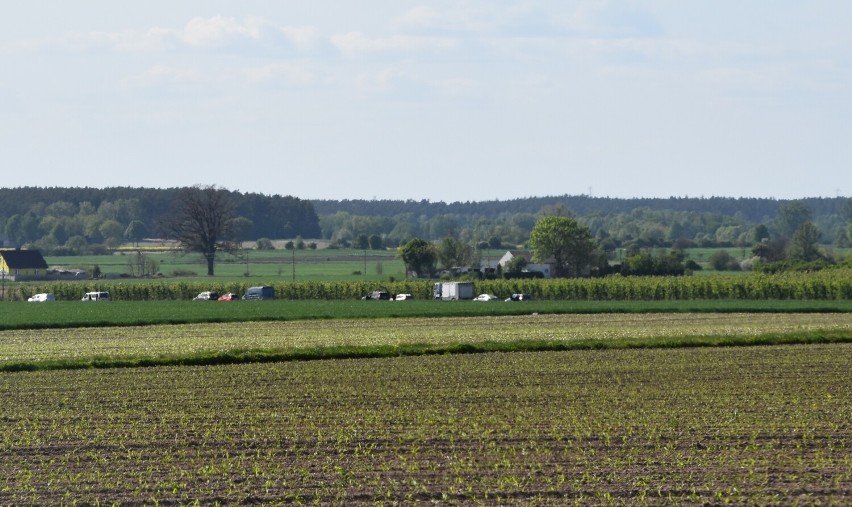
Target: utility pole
294 263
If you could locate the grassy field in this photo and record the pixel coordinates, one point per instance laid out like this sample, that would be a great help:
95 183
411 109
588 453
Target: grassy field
706 426
65 314
325 264
349 402
209 343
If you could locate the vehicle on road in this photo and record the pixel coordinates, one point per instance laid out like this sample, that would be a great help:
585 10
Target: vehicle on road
206 296
41 298
449 291
96 296
486 297
230 296
258 293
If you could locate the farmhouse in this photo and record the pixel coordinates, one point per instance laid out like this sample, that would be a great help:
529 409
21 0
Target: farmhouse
22 264
546 268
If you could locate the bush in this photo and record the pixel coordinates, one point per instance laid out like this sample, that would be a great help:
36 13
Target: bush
721 260
264 244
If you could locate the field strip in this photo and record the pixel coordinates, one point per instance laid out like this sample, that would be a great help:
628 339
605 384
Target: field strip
18 346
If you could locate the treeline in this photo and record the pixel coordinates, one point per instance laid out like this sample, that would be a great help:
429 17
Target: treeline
614 223
79 220
833 284
751 209
73 220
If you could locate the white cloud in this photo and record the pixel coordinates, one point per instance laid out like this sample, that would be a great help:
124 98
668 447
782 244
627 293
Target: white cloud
199 32
418 16
301 36
158 75
353 43
296 73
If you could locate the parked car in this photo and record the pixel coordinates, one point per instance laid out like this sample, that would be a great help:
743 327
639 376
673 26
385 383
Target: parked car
41 298
229 297
519 297
255 293
403 297
377 295
96 296
206 296
486 297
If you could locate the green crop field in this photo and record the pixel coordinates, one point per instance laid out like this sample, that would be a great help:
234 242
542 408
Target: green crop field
64 314
209 343
325 264
617 391
701 426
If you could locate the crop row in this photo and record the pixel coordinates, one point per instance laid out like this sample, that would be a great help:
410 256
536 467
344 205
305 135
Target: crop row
833 284
758 425
184 340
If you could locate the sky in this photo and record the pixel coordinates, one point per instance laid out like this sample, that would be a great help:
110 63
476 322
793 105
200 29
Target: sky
464 100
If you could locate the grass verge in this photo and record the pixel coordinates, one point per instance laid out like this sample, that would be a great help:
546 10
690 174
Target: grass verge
74 314
240 356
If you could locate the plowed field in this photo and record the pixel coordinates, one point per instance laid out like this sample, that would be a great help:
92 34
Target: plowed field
749 425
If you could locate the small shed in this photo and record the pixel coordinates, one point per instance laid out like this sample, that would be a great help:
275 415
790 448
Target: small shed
22 264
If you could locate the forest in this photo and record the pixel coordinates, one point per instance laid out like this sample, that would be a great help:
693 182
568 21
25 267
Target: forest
85 220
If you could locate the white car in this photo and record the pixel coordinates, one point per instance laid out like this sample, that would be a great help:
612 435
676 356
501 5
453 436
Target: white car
403 297
96 296
41 298
485 297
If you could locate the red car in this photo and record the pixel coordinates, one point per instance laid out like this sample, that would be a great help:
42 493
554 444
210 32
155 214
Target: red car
229 297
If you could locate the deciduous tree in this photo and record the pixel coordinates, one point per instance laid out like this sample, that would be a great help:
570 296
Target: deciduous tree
419 257
569 243
201 221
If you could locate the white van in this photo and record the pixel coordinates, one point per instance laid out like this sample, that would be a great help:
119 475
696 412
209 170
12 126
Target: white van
41 298
96 296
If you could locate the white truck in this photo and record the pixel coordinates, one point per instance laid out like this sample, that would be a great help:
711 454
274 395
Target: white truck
449 291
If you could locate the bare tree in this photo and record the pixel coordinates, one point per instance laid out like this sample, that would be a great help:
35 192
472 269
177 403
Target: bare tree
202 221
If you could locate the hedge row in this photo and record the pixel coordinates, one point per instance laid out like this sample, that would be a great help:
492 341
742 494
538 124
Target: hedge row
823 285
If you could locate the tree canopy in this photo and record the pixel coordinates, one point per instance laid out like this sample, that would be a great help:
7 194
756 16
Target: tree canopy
419 257
202 221
566 241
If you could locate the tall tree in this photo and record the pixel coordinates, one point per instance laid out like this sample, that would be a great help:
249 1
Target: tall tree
202 220
791 215
419 256
803 245
454 253
135 232
569 243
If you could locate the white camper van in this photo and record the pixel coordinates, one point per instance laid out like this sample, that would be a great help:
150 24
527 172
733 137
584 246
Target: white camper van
41 298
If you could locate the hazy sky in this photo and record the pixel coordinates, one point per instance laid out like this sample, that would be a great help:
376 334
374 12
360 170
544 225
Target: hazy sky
462 100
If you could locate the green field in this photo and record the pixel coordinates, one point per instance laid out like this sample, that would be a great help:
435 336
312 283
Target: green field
705 426
64 314
620 391
254 341
325 264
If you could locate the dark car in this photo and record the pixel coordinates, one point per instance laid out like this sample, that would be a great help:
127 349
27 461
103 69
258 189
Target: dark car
259 293
519 297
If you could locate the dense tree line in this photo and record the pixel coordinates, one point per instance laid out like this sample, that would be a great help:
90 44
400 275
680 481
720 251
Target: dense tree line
750 209
638 228
75 220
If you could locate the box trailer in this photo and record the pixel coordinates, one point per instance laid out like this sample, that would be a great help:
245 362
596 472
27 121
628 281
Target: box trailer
449 291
